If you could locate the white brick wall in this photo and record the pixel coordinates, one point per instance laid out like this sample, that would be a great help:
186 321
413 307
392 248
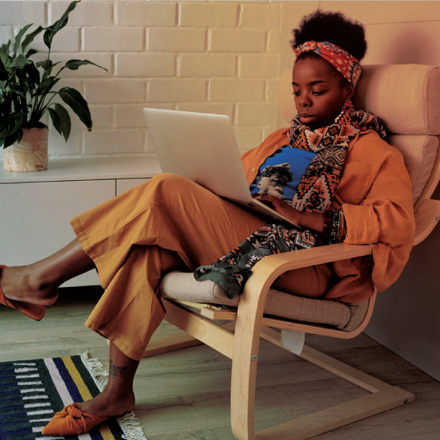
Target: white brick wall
208 56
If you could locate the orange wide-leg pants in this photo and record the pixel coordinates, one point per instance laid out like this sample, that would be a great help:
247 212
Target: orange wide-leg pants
165 224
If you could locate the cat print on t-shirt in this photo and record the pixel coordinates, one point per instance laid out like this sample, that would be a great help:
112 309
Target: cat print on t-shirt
280 174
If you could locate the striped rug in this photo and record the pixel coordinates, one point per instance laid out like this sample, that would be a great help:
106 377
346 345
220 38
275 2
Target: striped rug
32 391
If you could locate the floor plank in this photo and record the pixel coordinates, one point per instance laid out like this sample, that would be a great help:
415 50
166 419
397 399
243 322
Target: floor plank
184 395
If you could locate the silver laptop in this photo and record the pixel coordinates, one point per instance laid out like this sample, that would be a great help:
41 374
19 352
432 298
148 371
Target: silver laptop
203 148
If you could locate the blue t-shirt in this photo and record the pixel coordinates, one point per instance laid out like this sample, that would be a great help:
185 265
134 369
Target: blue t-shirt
281 173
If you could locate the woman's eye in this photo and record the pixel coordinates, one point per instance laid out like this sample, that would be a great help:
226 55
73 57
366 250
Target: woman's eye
318 92
295 93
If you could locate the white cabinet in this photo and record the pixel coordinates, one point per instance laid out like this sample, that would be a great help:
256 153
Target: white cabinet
123 185
36 208
35 222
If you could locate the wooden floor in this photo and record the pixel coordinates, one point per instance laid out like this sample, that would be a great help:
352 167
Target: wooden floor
185 395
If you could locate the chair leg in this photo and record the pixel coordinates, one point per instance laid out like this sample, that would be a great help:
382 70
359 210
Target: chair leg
244 369
170 343
243 383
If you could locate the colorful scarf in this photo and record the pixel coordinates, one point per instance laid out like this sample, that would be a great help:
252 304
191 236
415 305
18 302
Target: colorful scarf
315 193
318 185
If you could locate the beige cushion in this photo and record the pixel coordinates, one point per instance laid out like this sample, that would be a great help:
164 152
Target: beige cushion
405 96
183 286
419 152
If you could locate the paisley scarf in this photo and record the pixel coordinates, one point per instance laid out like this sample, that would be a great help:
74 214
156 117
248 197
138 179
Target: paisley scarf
315 193
321 178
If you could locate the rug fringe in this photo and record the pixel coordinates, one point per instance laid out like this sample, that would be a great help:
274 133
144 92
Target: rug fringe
131 426
96 368
129 423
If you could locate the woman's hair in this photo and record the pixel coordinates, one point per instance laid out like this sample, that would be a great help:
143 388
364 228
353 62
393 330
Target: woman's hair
335 28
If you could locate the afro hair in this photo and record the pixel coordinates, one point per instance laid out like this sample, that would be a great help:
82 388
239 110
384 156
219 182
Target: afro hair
335 28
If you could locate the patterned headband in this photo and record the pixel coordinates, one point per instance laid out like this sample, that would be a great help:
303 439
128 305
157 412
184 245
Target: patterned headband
340 59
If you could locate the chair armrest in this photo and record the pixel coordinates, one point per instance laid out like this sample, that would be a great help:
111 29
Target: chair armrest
270 268
427 216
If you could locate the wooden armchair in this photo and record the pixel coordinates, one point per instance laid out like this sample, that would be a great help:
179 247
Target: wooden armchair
406 97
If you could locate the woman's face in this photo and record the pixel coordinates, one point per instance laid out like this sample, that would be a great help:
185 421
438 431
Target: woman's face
319 92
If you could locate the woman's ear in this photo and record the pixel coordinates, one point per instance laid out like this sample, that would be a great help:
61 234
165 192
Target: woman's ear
349 91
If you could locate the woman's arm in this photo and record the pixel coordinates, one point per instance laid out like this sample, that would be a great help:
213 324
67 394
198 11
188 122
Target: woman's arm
385 213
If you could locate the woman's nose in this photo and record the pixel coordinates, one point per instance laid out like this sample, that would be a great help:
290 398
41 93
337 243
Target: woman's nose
305 100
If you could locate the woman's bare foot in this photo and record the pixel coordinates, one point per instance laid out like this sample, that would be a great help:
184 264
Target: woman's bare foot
38 283
108 404
118 397
23 284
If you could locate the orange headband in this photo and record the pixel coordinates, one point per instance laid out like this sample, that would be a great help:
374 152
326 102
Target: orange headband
341 60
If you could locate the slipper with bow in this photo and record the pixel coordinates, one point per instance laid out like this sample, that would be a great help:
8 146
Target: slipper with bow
34 311
71 421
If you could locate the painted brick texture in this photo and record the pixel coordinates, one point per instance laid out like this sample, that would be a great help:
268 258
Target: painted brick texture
208 56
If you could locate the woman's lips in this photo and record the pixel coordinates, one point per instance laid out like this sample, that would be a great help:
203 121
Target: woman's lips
306 117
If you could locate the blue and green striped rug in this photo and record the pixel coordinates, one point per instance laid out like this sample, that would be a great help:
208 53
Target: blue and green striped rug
32 391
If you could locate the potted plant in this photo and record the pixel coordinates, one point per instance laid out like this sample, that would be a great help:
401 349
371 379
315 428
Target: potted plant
27 94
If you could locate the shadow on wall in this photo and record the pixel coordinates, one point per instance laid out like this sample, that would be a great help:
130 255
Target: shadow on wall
412 47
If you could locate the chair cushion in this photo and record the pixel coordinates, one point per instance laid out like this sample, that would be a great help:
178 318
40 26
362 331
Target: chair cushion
183 286
405 96
419 152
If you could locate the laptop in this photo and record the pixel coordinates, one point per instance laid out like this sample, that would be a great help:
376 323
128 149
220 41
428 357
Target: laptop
203 148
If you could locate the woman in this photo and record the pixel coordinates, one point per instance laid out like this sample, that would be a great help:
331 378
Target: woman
354 189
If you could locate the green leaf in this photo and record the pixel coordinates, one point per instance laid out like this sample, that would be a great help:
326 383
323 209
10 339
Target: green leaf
46 85
75 64
45 64
61 120
3 72
78 104
19 62
19 36
31 52
58 25
33 75
4 49
9 140
30 37
9 125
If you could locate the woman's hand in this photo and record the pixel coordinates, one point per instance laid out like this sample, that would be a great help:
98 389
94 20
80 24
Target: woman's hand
308 220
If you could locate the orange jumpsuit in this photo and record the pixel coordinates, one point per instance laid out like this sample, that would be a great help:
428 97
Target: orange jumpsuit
164 224
172 223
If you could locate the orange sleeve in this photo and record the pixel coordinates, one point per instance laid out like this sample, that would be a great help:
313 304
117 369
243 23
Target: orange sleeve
385 215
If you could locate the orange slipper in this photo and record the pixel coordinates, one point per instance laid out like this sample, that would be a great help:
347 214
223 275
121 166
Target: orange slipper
71 421
32 310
